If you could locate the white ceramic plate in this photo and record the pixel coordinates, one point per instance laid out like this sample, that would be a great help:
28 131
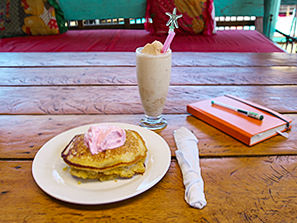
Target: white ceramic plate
49 173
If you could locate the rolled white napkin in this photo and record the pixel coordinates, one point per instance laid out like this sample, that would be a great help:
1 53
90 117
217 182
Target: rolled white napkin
188 159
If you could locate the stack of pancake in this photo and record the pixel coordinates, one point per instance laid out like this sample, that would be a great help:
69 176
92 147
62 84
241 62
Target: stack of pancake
122 162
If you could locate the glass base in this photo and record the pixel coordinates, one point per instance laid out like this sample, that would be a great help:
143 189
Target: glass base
153 123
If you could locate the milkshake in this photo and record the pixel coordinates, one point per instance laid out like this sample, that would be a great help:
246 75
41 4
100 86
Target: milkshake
153 76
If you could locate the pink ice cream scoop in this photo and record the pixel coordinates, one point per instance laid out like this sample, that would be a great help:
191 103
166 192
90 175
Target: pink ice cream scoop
102 137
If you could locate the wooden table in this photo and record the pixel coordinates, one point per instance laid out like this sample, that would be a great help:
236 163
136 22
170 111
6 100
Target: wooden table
44 94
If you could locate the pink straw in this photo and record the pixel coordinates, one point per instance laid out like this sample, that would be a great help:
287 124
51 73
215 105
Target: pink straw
168 41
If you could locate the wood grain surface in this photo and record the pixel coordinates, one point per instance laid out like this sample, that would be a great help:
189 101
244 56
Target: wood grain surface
22 136
128 59
126 100
236 189
93 76
45 94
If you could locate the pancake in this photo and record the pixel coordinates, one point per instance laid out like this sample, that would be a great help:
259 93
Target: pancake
124 161
118 172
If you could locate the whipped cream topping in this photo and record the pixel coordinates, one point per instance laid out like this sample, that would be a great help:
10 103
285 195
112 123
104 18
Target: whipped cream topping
102 137
153 48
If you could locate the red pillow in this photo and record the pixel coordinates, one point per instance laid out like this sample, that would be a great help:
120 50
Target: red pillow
198 16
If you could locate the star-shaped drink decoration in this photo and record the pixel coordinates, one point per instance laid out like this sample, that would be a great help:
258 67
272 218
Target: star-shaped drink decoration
172 22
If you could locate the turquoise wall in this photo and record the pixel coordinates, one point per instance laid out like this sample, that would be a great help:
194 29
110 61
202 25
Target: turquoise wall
239 7
94 9
103 9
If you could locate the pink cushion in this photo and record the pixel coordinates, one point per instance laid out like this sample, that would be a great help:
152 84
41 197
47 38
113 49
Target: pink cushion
129 40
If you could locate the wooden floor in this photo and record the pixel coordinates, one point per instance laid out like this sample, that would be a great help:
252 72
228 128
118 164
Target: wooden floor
44 94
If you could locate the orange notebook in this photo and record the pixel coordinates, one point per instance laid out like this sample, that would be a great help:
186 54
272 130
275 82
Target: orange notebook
246 129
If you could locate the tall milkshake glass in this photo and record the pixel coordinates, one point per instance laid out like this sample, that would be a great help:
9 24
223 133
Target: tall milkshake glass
153 77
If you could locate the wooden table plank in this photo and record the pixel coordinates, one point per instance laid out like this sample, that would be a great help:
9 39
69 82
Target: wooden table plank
23 136
280 75
126 100
236 189
128 59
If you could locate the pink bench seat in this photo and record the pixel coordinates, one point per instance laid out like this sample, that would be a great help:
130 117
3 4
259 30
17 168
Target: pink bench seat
128 40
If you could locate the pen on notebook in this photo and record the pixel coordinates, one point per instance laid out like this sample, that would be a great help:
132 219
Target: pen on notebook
248 113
